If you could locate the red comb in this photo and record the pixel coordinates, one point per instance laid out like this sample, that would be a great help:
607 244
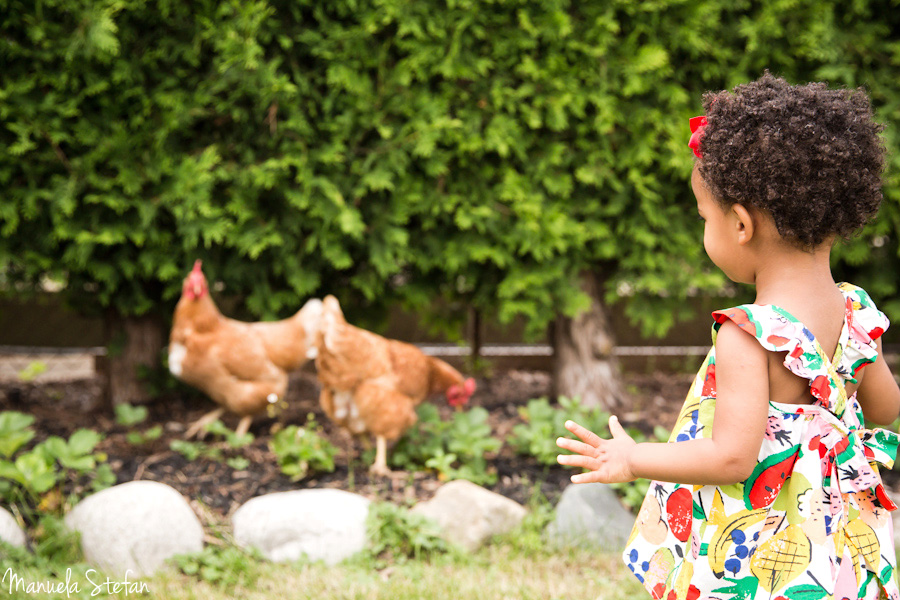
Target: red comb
469 386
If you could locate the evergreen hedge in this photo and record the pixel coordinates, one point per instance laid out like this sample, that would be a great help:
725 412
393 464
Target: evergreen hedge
480 153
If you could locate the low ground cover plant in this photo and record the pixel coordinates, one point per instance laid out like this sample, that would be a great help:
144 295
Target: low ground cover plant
130 417
302 450
458 448
47 476
543 423
222 565
396 535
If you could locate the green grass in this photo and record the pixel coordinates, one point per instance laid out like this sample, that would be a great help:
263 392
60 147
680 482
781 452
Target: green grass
519 565
495 573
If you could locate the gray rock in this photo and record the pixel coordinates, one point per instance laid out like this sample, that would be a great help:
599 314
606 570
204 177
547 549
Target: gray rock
319 524
590 514
10 532
469 514
135 526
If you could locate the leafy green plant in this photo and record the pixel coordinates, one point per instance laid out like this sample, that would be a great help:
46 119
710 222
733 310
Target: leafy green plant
456 449
54 550
15 432
194 450
396 535
233 440
77 453
422 442
224 566
52 541
139 438
37 470
50 467
544 423
238 463
300 450
103 477
216 451
129 416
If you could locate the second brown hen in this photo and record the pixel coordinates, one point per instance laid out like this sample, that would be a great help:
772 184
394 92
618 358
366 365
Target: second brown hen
371 384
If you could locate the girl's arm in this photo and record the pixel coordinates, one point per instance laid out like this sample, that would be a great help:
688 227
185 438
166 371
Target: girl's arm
729 456
878 393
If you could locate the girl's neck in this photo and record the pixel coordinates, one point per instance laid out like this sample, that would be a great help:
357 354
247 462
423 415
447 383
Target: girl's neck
788 273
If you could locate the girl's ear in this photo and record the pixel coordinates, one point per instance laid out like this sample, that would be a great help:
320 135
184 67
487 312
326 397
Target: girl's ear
744 223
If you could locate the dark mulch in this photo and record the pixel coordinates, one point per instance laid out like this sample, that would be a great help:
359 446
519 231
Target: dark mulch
61 408
216 490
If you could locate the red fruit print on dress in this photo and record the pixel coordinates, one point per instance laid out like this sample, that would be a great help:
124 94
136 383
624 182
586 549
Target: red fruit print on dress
709 384
679 507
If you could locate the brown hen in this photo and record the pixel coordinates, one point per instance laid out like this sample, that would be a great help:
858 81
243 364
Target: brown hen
242 367
371 384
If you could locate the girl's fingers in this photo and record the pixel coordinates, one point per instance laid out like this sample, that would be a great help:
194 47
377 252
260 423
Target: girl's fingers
616 429
588 437
576 460
575 446
592 477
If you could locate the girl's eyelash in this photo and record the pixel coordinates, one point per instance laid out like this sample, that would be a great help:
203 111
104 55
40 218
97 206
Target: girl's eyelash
700 217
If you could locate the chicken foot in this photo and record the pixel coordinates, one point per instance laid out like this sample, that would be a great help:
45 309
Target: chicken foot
202 422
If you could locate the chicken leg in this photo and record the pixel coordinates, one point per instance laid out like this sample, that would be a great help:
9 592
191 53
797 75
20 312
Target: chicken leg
244 425
379 468
199 424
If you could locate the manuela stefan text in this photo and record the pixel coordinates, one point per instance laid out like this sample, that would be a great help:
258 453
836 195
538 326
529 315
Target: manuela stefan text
69 587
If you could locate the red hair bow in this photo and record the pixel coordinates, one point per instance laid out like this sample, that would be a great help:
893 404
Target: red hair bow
698 124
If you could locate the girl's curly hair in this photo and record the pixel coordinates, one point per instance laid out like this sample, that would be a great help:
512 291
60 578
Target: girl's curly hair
809 156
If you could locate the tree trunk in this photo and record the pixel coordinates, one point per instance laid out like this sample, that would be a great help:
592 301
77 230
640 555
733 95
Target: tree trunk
584 364
134 345
475 333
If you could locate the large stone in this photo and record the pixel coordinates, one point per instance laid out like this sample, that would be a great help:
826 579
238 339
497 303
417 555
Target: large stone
590 514
469 515
10 532
135 526
319 524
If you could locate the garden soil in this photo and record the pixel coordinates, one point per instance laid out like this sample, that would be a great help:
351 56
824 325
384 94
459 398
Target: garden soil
216 490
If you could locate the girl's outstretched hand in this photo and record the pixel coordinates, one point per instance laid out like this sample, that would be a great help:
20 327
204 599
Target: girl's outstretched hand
607 460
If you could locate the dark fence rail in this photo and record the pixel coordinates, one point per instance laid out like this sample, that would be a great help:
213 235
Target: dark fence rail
41 340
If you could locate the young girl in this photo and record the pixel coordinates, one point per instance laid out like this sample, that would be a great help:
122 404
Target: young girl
772 488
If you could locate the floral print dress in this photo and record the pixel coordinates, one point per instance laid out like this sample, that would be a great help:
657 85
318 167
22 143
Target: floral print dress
812 519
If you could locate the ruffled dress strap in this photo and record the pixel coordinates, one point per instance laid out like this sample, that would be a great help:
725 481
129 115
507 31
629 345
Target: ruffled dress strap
864 324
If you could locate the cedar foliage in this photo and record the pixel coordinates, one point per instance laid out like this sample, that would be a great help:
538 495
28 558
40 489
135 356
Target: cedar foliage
482 153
